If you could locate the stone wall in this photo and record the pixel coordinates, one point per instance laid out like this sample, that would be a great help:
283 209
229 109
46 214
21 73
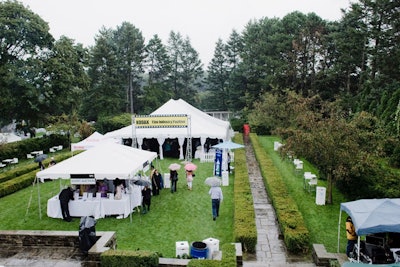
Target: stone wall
11 242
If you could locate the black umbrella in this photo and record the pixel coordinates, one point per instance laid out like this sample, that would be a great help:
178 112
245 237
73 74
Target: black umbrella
40 157
142 182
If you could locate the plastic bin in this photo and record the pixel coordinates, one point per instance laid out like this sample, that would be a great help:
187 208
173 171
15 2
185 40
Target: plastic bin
213 246
182 248
199 250
320 195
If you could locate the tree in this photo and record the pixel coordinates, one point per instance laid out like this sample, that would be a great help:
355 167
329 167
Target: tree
24 45
186 67
67 80
158 65
107 89
130 52
325 135
217 79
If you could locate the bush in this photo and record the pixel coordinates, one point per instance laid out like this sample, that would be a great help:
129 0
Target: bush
245 227
129 258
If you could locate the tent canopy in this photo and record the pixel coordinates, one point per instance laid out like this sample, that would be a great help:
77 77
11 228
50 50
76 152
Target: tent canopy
202 124
107 160
90 142
374 215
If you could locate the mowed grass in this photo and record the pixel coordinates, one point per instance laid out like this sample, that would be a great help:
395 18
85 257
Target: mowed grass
321 220
181 216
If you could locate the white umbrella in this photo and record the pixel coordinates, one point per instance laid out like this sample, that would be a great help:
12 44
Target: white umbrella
228 145
213 181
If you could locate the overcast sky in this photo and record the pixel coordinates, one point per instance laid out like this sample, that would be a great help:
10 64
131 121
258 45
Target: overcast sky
203 21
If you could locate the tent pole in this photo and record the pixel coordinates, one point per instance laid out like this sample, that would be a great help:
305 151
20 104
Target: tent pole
40 209
358 252
338 242
130 198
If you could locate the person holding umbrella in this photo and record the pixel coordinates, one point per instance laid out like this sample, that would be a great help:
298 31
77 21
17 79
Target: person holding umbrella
173 176
189 179
39 158
216 198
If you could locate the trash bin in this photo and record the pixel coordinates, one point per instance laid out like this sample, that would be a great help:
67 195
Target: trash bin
213 246
87 233
320 195
199 250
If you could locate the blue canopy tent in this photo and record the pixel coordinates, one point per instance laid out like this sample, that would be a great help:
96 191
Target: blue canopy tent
372 216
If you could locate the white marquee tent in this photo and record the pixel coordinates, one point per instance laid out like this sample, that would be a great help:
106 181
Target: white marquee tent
107 160
203 126
93 140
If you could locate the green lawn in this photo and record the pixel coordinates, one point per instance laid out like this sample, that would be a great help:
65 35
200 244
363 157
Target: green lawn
321 221
182 216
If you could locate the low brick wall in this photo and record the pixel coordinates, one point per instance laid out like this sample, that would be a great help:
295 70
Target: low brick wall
12 242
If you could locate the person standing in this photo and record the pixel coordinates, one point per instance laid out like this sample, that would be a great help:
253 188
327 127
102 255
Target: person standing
229 162
351 235
146 194
216 198
65 196
173 176
155 183
41 166
189 179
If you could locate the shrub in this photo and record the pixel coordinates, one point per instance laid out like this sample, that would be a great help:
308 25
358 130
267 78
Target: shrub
128 258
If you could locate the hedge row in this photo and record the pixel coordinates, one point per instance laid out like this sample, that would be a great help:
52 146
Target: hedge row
245 229
23 176
21 148
136 258
291 222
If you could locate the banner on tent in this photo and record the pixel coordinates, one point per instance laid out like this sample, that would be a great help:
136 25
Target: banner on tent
83 179
162 121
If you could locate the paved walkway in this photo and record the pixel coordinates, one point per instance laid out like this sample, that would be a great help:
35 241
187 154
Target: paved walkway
270 250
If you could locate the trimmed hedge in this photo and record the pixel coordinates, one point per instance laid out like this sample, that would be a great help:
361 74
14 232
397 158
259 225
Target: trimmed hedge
129 258
21 148
291 222
22 177
228 258
245 229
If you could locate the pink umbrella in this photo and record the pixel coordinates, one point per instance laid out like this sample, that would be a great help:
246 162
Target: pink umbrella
190 167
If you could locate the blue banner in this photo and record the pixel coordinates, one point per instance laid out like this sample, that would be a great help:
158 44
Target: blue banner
218 163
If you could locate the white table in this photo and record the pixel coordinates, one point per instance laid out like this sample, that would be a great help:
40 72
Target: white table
8 161
77 208
98 207
307 177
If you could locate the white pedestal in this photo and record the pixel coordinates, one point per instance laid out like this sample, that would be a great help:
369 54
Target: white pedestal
213 245
182 247
167 182
225 178
320 195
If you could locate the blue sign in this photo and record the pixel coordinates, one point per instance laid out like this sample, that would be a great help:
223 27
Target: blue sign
218 163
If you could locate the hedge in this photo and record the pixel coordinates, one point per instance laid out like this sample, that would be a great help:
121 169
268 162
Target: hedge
129 258
245 229
291 222
22 177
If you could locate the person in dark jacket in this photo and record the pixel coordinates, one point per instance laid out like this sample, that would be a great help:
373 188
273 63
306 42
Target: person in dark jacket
65 196
146 193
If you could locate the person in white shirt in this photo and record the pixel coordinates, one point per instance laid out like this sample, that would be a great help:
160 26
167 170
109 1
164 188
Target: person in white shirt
216 199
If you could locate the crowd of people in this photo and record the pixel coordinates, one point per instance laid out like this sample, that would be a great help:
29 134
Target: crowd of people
151 189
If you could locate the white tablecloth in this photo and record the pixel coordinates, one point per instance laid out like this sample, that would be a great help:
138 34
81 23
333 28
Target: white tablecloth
98 208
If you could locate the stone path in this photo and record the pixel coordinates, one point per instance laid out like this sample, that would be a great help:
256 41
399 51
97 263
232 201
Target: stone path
270 250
